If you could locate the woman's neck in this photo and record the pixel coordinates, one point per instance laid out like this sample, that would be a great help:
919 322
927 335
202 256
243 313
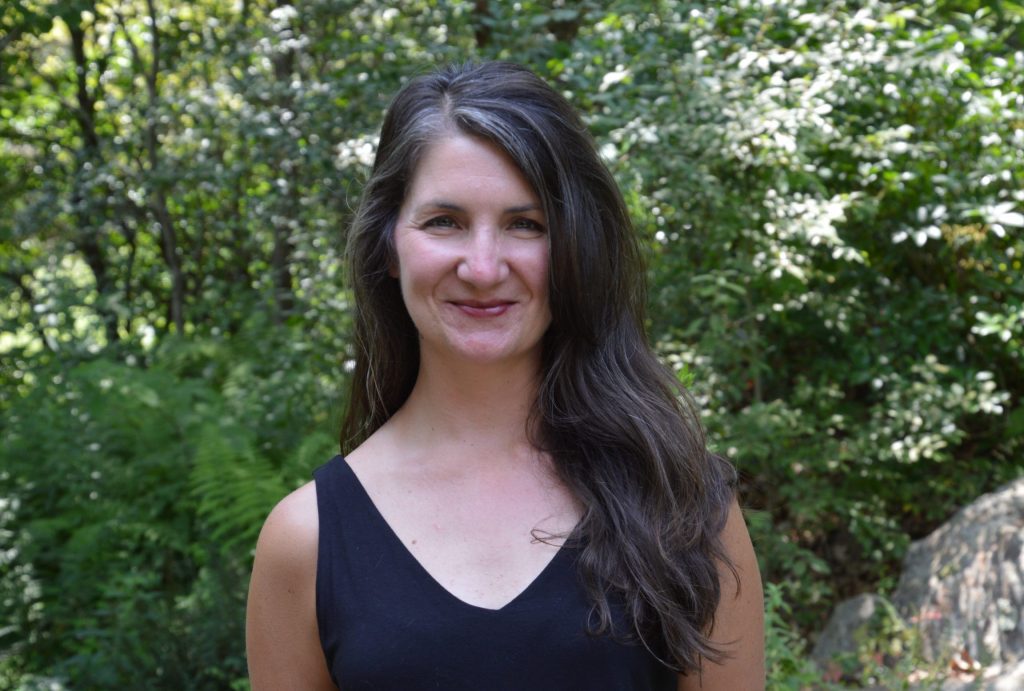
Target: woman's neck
480 409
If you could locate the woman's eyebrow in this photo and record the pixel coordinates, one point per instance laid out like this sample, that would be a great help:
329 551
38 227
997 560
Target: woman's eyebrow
452 206
523 208
440 204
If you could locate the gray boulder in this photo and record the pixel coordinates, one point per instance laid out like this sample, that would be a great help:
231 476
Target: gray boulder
961 588
997 677
850 621
963 585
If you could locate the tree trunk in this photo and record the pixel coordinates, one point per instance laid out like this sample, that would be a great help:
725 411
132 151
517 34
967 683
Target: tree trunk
481 27
158 197
281 256
88 219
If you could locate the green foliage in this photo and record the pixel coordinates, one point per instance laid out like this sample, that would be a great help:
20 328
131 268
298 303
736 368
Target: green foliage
138 494
786 662
832 265
829 197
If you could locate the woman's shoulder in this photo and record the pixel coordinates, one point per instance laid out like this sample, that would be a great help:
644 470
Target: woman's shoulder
291 530
282 639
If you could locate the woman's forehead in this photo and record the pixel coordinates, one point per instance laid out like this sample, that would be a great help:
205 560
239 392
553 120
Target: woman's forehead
458 169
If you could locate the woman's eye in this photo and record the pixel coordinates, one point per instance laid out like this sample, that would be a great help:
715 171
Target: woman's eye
441 222
528 224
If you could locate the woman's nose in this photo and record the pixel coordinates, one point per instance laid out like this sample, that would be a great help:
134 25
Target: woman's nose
483 262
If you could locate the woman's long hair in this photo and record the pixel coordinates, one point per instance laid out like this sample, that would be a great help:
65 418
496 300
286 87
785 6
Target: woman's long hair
623 434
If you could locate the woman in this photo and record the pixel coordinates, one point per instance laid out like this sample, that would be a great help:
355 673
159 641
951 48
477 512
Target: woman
529 504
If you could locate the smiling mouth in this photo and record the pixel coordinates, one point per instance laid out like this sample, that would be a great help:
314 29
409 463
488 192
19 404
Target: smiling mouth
483 308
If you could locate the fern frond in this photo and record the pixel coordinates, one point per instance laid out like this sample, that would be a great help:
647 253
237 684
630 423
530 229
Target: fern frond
234 486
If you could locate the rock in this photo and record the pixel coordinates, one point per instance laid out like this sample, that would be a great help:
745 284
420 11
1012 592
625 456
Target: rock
1004 679
963 585
849 622
995 678
962 593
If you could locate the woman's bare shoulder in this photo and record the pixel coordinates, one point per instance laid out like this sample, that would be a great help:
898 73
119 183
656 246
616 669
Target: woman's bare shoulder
284 569
281 629
739 621
287 546
296 513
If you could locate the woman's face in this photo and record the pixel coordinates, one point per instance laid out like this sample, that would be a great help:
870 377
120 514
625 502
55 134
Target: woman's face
472 247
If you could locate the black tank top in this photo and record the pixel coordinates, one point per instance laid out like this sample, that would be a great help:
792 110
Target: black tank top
385 623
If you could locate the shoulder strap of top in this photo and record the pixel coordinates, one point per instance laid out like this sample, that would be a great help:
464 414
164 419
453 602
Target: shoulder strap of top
344 541
335 490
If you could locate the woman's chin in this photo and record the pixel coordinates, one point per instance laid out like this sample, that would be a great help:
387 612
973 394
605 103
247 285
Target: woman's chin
490 353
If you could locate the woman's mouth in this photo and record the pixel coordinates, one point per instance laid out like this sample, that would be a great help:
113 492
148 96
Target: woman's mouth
483 308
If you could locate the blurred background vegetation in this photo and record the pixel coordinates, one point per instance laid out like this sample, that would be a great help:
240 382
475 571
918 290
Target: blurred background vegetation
830 194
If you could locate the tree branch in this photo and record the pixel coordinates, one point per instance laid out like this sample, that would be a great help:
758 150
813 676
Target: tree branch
86 101
26 293
17 136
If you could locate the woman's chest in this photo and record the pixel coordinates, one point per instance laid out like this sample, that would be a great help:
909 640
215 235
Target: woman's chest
482 540
388 625
386 622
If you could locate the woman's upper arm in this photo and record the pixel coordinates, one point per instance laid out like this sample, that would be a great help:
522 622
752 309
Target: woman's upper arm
739 619
281 636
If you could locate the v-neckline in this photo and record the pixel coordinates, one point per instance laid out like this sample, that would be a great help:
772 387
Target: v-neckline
431 580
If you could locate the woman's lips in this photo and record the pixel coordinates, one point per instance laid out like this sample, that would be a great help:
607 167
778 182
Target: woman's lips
483 308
